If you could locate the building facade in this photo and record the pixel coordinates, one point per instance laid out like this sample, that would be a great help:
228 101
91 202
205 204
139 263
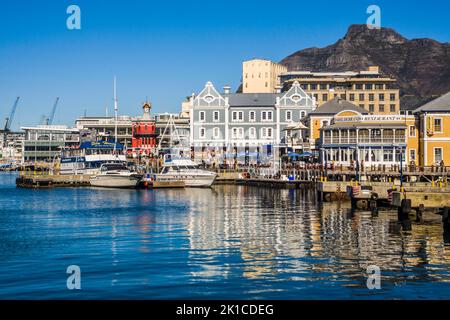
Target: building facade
371 90
433 120
369 140
105 127
261 76
323 116
44 143
223 123
144 133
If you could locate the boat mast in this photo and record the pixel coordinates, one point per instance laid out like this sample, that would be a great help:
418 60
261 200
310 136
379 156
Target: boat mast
115 115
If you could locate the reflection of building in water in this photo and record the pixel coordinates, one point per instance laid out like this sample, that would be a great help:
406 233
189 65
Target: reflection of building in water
258 224
265 232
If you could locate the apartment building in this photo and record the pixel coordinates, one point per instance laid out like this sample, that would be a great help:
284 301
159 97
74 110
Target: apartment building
261 76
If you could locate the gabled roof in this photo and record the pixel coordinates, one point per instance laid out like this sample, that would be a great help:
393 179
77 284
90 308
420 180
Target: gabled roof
440 104
335 106
252 99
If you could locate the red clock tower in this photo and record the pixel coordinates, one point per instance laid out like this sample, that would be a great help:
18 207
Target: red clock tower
144 133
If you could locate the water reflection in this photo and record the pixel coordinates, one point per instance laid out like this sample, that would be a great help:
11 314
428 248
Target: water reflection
285 232
226 242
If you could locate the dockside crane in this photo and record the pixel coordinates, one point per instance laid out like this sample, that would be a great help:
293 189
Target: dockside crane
52 115
9 120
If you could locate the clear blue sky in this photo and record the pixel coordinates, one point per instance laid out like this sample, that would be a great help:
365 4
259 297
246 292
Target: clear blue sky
165 50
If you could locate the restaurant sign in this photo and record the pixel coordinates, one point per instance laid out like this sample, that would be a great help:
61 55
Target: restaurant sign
371 118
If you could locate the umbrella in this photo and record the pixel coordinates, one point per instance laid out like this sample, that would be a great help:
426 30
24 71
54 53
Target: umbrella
293 155
306 155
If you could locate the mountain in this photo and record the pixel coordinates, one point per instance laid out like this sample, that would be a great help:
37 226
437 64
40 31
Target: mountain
421 66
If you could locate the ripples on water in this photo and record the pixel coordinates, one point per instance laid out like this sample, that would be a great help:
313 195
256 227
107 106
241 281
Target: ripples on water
227 242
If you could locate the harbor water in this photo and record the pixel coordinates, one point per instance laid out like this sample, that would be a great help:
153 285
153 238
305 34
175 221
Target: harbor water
227 242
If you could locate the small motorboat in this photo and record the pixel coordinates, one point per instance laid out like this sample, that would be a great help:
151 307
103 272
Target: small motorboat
186 171
115 175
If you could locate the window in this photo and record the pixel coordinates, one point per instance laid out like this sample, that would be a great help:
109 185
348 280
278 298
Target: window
325 97
202 115
437 155
379 86
237 133
252 133
412 131
371 97
362 97
323 87
381 108
437 125
412 155
237 116
266 115
313 86
358 86
302 114
266 133
369 86
324 123
392 108
216 116
352 97
252 116
381 97
266 84
392 96
288 115
343 96
388 155
216 133
371 108
202 133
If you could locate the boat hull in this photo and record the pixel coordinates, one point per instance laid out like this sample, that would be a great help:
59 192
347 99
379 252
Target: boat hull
112 181
199 181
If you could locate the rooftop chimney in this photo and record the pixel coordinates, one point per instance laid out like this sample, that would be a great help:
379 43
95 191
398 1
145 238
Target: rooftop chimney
226 90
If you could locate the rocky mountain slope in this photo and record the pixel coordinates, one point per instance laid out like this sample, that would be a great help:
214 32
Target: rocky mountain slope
421 66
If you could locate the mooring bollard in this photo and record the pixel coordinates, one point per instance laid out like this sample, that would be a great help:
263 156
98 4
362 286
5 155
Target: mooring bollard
419 213
403 214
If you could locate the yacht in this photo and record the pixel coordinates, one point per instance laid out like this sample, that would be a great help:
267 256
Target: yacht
115 175
187 171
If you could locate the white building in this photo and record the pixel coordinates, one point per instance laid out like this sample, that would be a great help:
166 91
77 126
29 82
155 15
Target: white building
255 122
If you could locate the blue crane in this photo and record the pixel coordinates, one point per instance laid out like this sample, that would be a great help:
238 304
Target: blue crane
9 120
52 115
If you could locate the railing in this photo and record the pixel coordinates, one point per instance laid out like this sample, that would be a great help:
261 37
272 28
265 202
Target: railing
364 140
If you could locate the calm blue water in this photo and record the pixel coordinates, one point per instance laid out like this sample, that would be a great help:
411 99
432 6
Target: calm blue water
228 242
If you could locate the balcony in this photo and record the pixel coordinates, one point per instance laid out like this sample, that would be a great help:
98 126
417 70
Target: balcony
383 140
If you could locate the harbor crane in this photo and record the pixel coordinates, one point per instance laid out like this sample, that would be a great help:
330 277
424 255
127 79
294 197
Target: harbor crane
49 120
9 120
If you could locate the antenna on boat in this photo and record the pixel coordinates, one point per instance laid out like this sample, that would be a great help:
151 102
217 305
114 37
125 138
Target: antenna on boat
115 114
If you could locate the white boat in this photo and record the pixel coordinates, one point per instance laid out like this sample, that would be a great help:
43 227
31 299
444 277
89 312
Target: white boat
187 171
115 175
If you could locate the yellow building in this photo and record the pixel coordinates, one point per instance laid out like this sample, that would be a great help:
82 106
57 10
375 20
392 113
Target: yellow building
369 89
323 116
261 76
371 140
434 126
